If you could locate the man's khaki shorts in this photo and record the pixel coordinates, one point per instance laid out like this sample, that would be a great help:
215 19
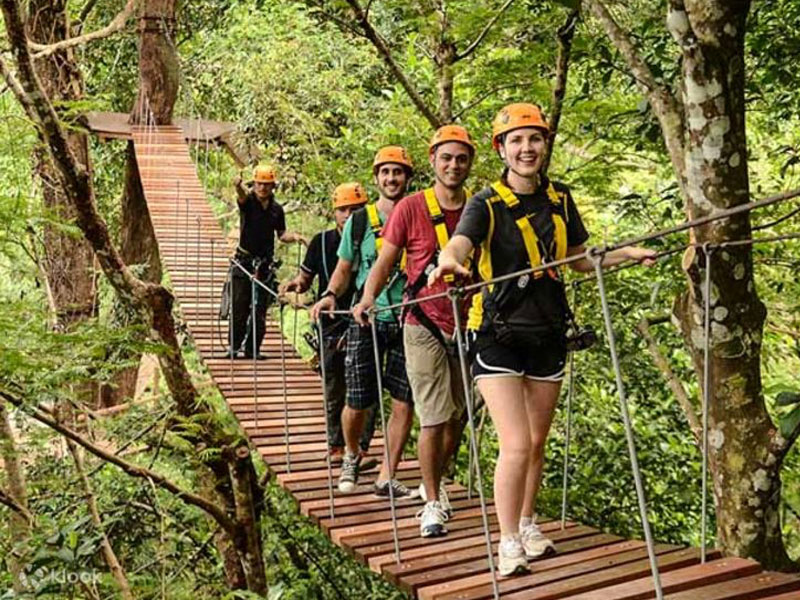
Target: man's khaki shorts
435 377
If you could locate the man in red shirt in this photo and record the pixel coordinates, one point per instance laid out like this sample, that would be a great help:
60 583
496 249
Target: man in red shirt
422 224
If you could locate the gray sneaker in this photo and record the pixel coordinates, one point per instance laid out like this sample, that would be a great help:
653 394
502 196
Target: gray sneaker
381 490
348 478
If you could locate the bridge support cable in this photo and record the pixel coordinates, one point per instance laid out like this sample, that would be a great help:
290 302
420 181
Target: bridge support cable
212 300
231 310
386 438
470 464
253 329
185 235
197 256
473 445
596 255
281 306
159 147
295 304
568 426
708 250
325 401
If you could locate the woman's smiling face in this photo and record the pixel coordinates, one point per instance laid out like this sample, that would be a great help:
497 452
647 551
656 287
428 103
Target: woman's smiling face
523 150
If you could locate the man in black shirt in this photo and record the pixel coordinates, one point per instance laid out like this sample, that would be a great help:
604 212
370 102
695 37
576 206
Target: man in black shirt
320 262
261 218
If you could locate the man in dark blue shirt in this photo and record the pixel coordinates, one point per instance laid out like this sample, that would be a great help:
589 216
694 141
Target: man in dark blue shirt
320 262
261 219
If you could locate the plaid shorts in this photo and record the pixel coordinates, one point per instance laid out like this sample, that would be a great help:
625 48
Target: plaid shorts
360 374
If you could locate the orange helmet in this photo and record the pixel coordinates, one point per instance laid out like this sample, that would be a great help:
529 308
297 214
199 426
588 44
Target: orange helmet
515 116
392 154
349 194
451 133
264 174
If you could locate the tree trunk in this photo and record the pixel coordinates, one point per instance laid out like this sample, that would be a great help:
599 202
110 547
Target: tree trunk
19 526
746 470
68 260
445 58
117 572
565 34
248 498
158 92
152 301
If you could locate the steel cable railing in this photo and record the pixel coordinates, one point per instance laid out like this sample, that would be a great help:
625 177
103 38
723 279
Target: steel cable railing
595 255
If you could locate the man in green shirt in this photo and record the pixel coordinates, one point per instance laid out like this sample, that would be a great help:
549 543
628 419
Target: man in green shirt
358 250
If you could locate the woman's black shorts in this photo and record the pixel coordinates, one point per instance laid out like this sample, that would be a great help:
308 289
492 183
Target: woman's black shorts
490 358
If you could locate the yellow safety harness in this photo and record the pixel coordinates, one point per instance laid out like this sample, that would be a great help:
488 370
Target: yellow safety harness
376 226
439 225
533 246
523 221
442 237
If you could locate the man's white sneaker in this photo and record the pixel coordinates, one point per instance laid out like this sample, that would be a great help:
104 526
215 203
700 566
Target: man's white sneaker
443 499
535 543
511 559
349 475
431 519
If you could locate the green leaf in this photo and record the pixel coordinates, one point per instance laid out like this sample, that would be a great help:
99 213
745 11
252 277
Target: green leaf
573 4
790 422
787 398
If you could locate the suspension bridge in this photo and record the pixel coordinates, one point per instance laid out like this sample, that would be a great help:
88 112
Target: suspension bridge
280 406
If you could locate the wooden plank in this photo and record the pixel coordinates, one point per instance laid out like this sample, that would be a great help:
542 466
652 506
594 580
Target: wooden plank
745 588
577 552
590 565
573 567
680 580
368 546
606 577
431 569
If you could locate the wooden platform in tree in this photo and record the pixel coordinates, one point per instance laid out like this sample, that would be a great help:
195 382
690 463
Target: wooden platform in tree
116 126
589 564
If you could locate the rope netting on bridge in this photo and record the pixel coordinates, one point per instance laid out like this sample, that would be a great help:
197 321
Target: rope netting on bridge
193 245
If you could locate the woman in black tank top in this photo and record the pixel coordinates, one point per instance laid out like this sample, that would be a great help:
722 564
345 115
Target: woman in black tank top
516 330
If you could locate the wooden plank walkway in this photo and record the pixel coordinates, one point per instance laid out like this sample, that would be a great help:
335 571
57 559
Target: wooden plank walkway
589 564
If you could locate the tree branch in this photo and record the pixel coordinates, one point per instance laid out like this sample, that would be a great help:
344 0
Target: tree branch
8 501
674 383
666 106
565 35
108 550
75 178
134 470
383 49
488 93
478 40
86 10
16 88
116 24
338 21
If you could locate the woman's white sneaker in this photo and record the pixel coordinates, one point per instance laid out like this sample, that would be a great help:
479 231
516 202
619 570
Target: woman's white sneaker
432 519
511 559
535 543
